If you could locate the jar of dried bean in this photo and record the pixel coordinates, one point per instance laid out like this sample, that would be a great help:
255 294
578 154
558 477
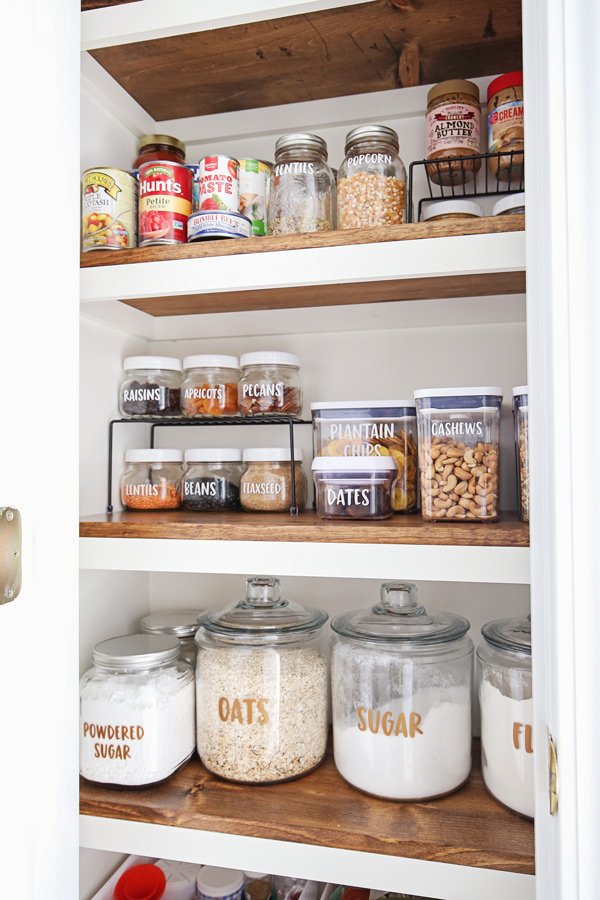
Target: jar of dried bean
459 448
151 387
266 484
521 421
453 131
270 384
212 480
152 479
209 386
371 186
302 189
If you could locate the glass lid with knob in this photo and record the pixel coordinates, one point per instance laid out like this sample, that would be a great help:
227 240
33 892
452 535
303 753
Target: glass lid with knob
512 635
399 618
263 614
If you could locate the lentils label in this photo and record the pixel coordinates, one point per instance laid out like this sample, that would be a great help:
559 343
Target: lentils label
165 203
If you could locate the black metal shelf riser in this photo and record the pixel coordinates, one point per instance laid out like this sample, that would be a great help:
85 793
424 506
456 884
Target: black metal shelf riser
290 421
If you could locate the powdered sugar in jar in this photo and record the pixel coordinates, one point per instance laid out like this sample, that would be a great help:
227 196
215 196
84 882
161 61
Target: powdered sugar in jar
136 711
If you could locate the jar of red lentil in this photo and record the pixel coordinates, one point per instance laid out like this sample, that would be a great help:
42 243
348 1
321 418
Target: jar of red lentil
160 147
453 131
505 126
152 479
371 182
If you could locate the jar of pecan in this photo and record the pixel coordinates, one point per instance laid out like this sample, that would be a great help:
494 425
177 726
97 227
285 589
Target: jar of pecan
371 185
270 384
505 126
453 131
159 147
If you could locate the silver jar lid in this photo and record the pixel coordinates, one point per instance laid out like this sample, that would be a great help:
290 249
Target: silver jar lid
302 140
137 651
181 624
512 635
372 132
399 618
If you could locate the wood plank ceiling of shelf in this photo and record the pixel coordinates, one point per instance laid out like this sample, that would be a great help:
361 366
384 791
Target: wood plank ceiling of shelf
374 46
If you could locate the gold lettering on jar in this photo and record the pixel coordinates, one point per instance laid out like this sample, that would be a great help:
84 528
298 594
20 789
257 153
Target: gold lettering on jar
105 748
387 723
525 732
253 711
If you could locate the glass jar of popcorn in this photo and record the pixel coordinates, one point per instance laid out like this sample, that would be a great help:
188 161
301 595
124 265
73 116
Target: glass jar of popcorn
371 187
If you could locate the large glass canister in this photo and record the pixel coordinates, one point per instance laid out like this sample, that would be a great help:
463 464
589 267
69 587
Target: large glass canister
459 450
302 187
262 687
372 428
521 423
401 688
506 700
371 182
181 623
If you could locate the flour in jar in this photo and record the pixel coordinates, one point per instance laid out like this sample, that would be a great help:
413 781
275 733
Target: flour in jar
507 749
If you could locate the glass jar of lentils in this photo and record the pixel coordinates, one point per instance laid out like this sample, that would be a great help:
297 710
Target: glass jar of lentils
371 188
302 197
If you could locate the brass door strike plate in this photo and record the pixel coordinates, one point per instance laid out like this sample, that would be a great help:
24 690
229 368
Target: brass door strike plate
10 554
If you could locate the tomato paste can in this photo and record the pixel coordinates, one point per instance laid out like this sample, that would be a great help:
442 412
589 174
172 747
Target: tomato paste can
218 184
254 192
109 202
215 224
165 202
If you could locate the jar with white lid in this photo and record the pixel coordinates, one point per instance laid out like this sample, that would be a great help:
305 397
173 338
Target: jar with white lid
401 688
215 883
302 187
354 487
521 425
180 878
506 700
510 205
151 387
212 479
182 624
266 485
152 479
262 687
371 182
270 384
459 450
136 711
452 210
209 387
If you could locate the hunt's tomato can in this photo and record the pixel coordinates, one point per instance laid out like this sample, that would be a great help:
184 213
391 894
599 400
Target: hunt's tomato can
165 202
218 183
109 200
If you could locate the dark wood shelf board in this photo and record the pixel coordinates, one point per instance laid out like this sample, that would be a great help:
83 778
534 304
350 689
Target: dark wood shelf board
307 527
467 828
374 46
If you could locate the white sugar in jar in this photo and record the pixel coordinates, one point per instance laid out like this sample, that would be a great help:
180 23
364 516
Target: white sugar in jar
136 711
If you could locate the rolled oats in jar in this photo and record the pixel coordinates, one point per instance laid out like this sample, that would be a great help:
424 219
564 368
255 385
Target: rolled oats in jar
270 384
371 184
266 485
453 131
302 187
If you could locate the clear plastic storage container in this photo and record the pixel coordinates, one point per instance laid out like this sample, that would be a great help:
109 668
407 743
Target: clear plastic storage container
302 186
270 384
209 387
151 387
152 479
401 687
371 182
266 485
506 700
182 624
372 428
212 479
354 487
262 687
521 423
459 449
136 711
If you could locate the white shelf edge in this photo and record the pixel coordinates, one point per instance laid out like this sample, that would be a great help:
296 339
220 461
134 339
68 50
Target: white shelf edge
327 864
415 562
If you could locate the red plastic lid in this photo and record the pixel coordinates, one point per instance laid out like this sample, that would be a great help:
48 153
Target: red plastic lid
143 882
511 79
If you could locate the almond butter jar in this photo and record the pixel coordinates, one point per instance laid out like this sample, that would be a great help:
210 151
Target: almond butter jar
453 130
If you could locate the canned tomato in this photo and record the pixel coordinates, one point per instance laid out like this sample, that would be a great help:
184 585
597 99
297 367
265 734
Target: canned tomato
218 183
165 202
109 200
254 192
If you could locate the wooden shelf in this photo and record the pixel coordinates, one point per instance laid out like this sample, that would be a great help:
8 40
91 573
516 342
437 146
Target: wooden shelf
307 527
468 828
368 47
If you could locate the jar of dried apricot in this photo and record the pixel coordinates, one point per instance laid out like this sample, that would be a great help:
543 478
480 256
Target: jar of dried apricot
371 183
453 131
210 385
152 479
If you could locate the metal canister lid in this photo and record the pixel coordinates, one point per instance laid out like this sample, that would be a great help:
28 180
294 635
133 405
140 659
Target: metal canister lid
302 141
181 624
165 139
137 651
453 86
372 132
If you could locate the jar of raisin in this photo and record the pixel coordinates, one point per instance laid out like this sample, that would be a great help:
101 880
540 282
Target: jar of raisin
159 147
453 131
